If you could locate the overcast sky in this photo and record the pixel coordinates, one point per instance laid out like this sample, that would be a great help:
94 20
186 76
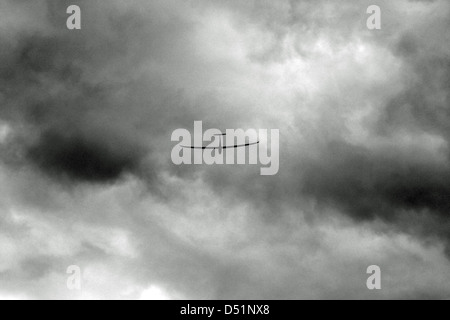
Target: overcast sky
86 179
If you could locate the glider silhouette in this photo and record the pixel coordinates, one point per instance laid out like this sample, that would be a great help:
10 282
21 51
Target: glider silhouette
221 146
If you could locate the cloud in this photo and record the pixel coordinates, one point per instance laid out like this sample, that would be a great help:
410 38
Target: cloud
86 178
82 160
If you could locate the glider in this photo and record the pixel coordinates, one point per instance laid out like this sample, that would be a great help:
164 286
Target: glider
221 147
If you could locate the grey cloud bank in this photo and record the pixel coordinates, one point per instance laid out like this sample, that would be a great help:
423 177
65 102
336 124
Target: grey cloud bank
86 176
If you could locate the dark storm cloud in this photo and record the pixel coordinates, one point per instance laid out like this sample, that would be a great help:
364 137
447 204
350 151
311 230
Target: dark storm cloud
62 143
391 184
65 123
367 185
99 104
82 158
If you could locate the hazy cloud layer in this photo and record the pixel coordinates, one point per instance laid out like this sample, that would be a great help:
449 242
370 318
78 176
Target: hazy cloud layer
86 177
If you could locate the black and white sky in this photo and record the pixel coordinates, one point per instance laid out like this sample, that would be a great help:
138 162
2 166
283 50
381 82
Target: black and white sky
86 177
